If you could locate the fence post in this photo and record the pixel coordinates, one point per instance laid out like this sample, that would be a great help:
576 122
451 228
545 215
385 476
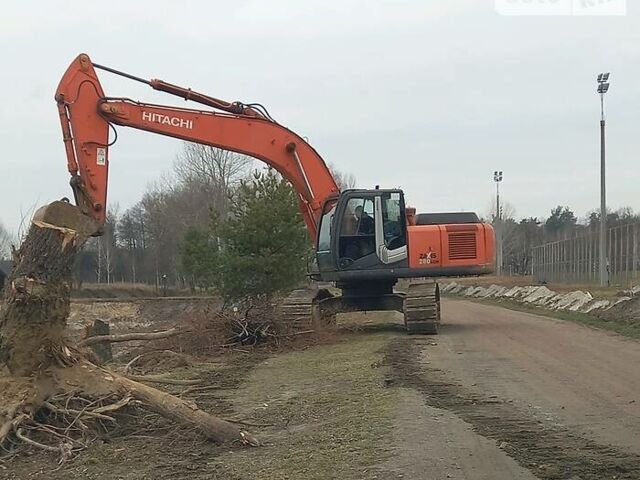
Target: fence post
582 257
627 256
636 260
590 251
614 253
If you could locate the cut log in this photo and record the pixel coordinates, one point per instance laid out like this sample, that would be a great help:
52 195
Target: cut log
185 413
128 337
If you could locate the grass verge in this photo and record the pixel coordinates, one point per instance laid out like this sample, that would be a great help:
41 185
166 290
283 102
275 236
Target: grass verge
333 414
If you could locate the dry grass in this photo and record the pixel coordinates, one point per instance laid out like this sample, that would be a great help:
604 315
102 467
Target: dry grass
119 285
123 290
332 412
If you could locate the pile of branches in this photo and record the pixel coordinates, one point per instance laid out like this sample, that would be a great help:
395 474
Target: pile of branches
251 322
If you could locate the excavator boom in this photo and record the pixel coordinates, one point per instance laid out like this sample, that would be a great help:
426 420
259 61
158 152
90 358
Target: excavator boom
86 115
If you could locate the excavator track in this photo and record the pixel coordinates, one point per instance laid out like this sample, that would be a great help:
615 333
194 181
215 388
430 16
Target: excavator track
296 309
301 308
422 308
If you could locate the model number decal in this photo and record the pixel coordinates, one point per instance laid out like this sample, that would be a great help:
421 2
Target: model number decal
428 258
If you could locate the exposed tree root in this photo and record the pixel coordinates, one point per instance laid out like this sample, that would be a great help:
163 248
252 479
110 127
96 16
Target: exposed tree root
21 436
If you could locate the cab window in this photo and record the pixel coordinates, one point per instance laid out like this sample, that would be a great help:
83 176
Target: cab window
393 221
324 237
357 233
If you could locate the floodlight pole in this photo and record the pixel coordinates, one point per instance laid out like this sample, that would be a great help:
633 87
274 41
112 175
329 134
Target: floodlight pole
497 177
602 257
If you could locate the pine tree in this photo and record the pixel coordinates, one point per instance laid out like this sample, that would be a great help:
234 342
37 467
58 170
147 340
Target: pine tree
264 244
199 256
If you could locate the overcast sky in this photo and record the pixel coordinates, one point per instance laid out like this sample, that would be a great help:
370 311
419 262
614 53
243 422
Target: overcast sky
431 96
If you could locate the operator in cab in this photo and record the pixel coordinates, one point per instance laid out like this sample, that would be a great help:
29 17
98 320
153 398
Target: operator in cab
366 225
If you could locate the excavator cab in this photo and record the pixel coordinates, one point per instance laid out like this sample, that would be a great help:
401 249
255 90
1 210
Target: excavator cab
362 230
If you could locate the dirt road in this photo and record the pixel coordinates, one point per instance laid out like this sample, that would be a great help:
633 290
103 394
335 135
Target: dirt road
510 395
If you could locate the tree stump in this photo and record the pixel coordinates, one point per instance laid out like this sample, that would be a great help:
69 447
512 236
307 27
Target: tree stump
101 350
36 299
34 348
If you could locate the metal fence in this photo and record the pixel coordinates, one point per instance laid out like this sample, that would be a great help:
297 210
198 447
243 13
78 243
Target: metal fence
576 259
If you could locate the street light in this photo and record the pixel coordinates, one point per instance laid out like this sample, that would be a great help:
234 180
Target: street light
497 177
603 87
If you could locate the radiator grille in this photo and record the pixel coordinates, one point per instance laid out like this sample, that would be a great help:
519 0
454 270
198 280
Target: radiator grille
462 246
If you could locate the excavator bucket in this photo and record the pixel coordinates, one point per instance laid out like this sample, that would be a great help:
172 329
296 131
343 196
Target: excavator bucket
63 215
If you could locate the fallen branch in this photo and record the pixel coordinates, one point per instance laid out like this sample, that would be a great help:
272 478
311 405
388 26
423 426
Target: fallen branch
164 380
59 435
114 406
42 446
304 332
170 353
10 425
128 366
80 413
128 337
183 412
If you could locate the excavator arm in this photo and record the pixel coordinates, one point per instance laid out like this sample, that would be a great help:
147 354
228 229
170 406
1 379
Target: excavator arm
86 116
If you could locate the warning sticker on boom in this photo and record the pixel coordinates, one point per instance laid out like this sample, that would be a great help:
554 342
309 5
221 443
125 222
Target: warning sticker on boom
101 156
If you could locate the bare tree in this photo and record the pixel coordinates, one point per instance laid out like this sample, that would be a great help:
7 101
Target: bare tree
107 243
5 243
98 260
507 210
344 180
143 243
214 169
131 236
203 180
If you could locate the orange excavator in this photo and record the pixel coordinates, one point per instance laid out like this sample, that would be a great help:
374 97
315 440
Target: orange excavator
365 240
